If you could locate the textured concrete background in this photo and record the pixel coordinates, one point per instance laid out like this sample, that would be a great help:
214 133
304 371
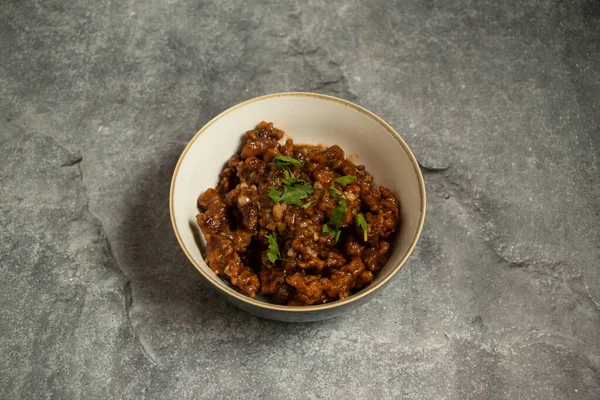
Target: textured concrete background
501 299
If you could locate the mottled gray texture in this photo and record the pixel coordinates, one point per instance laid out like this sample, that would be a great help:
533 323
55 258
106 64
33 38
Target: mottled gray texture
501 299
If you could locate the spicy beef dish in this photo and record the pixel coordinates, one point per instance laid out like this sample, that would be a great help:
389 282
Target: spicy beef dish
302 224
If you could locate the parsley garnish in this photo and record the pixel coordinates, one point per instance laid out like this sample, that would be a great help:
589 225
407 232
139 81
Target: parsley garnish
294 190
337 219
333 192
285 161
274 194
345 180
339 214
273 252
362 222
289 178
293 194
306 205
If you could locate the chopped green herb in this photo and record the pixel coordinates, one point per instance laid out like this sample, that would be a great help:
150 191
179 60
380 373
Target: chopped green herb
339 214
345 180
307 187
293 194
337 219
306 205
274 194
289 178
333 192
284 161
362 222
273 252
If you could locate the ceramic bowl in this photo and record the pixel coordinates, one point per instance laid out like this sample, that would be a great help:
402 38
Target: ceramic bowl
307 118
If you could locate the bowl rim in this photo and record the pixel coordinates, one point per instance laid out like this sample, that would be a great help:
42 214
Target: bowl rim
212 278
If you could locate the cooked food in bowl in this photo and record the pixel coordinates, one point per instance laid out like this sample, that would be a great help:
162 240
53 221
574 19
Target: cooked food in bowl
299 223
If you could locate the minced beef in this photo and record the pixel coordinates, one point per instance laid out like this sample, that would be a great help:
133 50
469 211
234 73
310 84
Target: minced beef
302 224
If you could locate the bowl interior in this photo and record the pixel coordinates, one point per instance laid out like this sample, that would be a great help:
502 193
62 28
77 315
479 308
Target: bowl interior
307 119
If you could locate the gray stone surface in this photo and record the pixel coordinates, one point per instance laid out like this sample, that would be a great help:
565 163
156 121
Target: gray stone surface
499 100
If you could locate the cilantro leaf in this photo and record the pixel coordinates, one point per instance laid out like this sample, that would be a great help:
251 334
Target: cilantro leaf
362 222
306 205
345 180
337 219
284 161
293 194
273 253
294 190
307 187
274 194
333 192
337 235
339 214
289 178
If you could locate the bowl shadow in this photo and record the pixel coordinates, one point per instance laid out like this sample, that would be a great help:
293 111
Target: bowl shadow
165 285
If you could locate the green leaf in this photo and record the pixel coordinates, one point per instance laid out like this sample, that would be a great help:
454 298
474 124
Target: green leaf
289 179
294 194
274 194
339 214
284 161
362 222
306 205
273 252
345 180
305 187
337 219
294 190
333 192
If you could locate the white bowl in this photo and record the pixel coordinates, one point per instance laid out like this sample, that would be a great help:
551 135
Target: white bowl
307 118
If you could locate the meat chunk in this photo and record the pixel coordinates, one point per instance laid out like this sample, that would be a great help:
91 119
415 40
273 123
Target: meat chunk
271 278
309 288
214 220
261 139
222 245
320 159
